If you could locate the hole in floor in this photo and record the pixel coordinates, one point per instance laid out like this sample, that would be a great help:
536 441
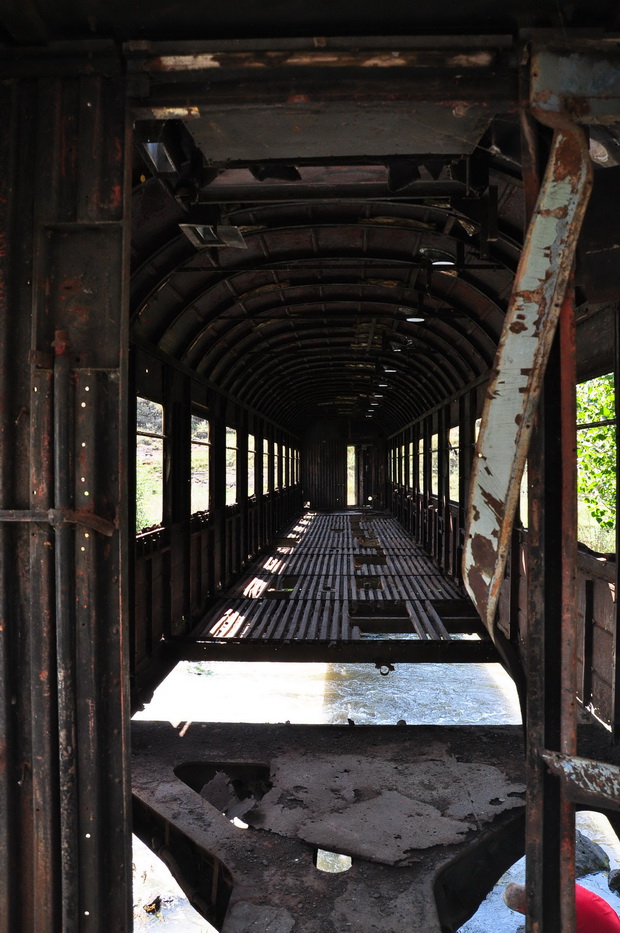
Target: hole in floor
332 862
231 787
154 886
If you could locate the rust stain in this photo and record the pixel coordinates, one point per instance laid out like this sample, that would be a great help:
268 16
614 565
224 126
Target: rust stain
494 504
558 212
71 285
517 327
568 164
117 197
579 107
484 555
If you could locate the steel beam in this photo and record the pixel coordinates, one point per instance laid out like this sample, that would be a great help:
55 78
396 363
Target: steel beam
517 373
64 854
587 782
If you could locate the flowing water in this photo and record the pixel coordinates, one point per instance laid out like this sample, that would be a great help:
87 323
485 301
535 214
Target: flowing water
419 694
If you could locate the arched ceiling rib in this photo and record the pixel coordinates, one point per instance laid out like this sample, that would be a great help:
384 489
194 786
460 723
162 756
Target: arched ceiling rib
309 320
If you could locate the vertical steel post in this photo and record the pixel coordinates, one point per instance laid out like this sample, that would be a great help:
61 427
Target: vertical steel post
551 640
616 662
64 566
65 842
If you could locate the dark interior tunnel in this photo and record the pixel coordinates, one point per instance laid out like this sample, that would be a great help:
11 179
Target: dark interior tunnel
297 307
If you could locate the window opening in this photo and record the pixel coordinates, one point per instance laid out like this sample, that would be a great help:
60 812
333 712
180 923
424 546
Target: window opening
401 472
265 466
434 464
251 465
231 466
453 463
200 463
421 474
276 466
351 493
596 463
149 463
410 478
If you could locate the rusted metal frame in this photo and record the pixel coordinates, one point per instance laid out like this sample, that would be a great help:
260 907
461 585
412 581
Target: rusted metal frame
391 650
206 881
584 781
170 362
60 517
186 55
568 418
45 908
217 489
64 551
588 642
81 291
615 726
164 94
177 416
17 785
88 387
557 79
516 378
551 636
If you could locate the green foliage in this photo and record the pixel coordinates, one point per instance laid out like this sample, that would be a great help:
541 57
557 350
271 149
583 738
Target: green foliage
149 490
596 450
142 483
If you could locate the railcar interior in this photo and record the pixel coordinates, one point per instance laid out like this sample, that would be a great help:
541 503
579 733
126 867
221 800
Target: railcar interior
309 353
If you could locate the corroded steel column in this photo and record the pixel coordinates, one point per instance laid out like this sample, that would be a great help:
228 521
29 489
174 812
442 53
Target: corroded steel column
64 793
517 374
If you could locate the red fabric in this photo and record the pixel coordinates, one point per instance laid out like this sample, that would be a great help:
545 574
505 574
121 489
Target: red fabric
594 914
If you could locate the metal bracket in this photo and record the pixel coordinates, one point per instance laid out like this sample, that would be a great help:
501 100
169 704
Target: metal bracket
61 517
585 780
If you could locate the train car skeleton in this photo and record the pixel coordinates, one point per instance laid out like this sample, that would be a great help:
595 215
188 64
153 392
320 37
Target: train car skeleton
325 281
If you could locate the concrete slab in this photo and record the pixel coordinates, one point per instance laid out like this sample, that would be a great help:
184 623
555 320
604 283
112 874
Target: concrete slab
431 816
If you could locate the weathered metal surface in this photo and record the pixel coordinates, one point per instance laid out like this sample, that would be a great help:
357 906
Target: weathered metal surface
332 580
585 781
514 387
582 79
59 517
64 567
568 520
407 803
326 96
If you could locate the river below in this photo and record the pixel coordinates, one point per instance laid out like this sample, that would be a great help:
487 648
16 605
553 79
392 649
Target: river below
474 694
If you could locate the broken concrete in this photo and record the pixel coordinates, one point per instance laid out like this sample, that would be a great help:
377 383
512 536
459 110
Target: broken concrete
430 815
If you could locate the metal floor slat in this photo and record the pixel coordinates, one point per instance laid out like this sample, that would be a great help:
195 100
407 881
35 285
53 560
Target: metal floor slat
336 580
